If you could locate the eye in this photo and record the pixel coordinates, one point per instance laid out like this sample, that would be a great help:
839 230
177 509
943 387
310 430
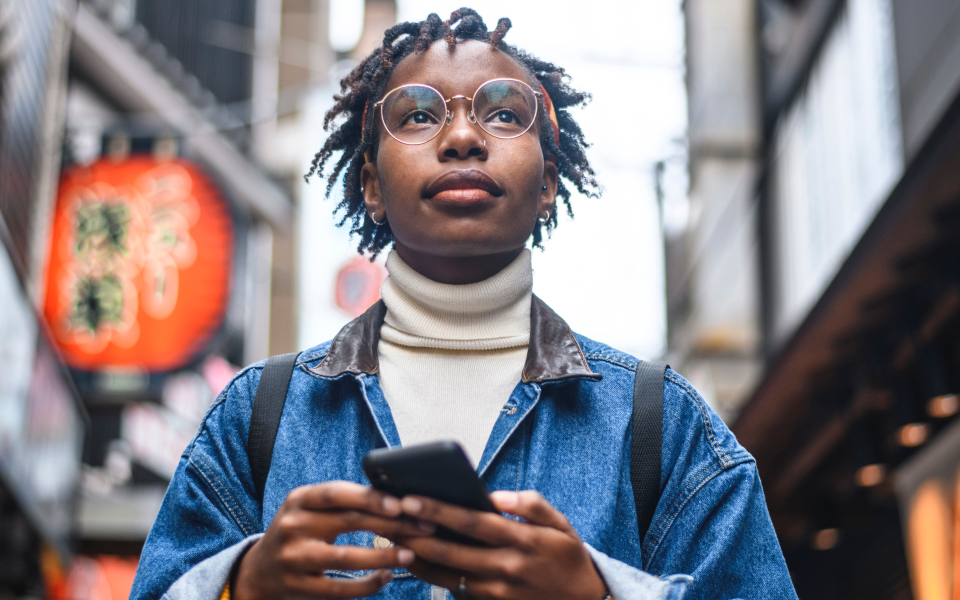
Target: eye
419 117
505 116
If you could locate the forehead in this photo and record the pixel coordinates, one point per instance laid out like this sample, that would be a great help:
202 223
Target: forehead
458 69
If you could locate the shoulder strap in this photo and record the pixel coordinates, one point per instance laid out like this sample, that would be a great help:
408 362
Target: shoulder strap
265 420
647 436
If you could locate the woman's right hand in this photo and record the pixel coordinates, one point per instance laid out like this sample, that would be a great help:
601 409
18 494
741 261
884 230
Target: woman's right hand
290 559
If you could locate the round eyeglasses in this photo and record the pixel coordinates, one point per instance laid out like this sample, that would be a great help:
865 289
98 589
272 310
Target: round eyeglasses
415 113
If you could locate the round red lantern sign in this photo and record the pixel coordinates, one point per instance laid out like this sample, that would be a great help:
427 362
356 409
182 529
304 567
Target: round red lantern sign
139 271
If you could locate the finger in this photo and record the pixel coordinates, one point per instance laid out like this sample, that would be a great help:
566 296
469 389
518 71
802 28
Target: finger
333 495
484 526
321 586
434 574
327 525
405 529
488 562
482 588
421 529
315 557
477 586
533 507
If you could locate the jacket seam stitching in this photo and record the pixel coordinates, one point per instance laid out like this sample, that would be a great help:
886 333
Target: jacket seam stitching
717 448
353 576
513 428
662 523
241 520
602 355
218 401
677 506
612 359
520 459
684 499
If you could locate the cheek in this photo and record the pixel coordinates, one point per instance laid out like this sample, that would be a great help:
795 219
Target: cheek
525 167
399 178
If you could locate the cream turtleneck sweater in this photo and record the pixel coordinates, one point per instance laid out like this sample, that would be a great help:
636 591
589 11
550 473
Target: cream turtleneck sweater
450 355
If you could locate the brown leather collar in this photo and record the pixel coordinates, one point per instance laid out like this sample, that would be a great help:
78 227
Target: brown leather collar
553 354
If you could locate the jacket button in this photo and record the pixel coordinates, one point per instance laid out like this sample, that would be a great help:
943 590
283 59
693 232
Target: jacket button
381 543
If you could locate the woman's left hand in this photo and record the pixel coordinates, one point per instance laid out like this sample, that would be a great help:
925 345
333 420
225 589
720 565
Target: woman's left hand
542 558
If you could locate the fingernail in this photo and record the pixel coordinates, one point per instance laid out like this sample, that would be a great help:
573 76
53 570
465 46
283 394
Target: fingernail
386 577
412 506
391 504
405 556
505 499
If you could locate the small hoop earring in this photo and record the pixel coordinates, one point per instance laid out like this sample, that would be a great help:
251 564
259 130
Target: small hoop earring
545 218
378 223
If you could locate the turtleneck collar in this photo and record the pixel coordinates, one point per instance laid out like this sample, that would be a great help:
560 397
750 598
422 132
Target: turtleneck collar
488 315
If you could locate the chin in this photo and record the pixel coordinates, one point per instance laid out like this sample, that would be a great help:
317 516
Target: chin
467 247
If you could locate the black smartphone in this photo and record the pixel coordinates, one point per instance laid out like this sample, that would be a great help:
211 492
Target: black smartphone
439 470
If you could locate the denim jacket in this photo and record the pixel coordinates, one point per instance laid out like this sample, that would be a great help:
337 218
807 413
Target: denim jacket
564 431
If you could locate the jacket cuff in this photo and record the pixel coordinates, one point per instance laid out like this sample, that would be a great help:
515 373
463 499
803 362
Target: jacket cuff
628 583
208 579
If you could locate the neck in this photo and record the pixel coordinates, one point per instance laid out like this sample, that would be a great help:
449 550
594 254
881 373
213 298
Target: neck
456 270
487 315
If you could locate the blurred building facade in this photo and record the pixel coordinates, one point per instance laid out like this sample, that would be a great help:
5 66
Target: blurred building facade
814 295
101 98
42 422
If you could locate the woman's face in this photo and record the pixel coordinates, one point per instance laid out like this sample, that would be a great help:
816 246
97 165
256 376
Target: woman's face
464 194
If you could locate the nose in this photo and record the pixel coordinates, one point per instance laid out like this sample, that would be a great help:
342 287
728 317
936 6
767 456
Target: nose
462 137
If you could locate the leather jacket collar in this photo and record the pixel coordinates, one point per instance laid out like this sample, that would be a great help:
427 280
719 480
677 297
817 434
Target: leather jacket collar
553 354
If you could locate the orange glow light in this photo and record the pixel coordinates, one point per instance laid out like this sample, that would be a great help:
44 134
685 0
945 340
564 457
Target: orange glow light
929 534
140 260
870 475
913 435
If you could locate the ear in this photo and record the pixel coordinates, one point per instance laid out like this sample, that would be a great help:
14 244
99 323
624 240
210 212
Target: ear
372 198
548 189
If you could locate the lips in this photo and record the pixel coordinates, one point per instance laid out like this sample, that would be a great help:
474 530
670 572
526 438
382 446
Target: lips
463 187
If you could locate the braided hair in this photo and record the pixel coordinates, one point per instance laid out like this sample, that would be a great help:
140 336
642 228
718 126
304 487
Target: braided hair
355 138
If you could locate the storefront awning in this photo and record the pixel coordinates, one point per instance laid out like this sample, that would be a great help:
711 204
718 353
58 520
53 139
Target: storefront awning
892 286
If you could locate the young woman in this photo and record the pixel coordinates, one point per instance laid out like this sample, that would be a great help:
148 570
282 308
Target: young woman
455 146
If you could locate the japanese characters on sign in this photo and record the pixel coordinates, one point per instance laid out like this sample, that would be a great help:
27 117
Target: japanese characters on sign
139 272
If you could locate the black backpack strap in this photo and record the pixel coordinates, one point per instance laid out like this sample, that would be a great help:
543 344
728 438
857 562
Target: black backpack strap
647 436
265 420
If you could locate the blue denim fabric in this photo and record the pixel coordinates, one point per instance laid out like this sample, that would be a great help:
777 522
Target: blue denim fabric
569 440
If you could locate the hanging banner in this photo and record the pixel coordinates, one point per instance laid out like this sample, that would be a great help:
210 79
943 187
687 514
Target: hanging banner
139 272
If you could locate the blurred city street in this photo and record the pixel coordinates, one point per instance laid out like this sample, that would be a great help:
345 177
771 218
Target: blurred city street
780 219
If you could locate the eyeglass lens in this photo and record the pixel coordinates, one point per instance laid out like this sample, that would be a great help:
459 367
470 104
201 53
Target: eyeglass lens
414 114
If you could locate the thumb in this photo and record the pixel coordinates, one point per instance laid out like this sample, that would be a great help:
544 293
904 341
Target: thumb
534 508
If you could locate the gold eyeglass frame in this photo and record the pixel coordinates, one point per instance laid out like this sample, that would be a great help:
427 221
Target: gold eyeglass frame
471 114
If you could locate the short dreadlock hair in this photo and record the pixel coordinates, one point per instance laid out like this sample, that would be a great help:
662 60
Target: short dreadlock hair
365 84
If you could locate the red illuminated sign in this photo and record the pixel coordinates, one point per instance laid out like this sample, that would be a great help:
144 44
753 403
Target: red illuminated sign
140 256
358 285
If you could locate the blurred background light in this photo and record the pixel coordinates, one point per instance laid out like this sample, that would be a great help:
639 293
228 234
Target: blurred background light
826 539
913 435
946 405
870 475
346 23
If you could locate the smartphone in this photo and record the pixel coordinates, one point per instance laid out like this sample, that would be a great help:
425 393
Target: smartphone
439 470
